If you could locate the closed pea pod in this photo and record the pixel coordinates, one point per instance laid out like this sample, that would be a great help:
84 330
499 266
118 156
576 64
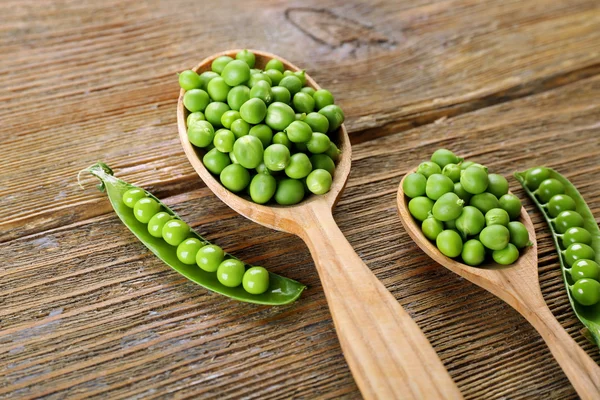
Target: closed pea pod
280 290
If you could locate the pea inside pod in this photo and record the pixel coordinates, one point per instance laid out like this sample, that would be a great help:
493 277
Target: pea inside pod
280 290
576 237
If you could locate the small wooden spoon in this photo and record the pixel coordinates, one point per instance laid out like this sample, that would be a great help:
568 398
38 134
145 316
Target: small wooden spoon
387 353
518 286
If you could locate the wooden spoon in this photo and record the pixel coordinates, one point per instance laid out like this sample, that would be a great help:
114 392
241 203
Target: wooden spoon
518 285
387 353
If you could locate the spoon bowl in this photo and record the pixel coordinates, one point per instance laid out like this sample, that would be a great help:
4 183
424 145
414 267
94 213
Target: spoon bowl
517 285
386 351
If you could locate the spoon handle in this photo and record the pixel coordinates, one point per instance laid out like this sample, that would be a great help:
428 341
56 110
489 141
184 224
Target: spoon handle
387 353
582 371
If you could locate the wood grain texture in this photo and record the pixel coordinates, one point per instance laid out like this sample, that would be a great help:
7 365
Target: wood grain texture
88 312
392 65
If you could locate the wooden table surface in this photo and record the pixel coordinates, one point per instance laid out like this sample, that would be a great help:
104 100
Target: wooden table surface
86 311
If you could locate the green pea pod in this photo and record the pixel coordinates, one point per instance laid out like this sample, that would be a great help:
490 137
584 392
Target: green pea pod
281 290
588 315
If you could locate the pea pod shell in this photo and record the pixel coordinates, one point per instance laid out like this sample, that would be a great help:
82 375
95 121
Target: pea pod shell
281 290
588 315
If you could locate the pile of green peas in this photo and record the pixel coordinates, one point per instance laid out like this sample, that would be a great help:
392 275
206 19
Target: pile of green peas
211 258
265 131
568 225
466 211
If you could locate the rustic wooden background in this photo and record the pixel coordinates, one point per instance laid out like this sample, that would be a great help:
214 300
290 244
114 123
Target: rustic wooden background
87 312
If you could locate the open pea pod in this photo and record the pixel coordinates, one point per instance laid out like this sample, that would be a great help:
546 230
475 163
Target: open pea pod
588 315
281 290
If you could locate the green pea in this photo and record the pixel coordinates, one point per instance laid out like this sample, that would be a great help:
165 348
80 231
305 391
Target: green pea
559 203
175 231
428 168
209 257
255 78
507 255
317 122
255 71
206 77
319 181
194 117
495 237
262 169
548 189
452 171
218 89
511 204
215 161
414 185
281 94
474 180
189 80
279 116
219 63
497 185
585 269
586 292
450 224
214 111
496 216
462 193
228 117
323 98
263 133
318 143
308 90
277 157
235 177
576 235
449 243
420 207
187 250
240 128
256 279
431 228
131 196
262 90
298 132
300 116
274 75
157 222
566 220
231 272
246 56
248 151
303 102
484 202
577 251
289 191
145 208
333 152
195 100
262 188
224 140
473 252
535 176
448 207
291 83
443 157
334 115
237 96
465 164
201 134
323 161
301 75
299 166
253 111
281 138
275 64
470 222
518 234
437 185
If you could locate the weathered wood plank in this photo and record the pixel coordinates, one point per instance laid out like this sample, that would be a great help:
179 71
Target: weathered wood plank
88 312
108 89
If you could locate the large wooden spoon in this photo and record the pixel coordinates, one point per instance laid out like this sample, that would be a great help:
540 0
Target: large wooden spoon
387 353
518 286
